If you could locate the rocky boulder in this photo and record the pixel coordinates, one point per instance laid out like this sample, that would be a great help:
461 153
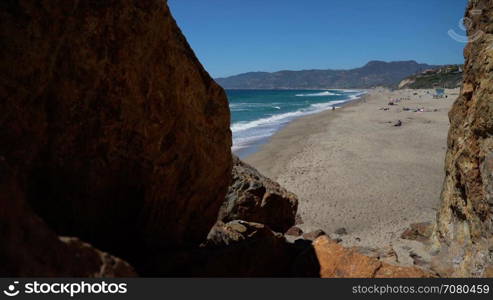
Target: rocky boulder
233 249
339 262
240 249
117 134
255 198
465 219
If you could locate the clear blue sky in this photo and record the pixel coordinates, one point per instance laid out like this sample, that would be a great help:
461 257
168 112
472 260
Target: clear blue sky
236 36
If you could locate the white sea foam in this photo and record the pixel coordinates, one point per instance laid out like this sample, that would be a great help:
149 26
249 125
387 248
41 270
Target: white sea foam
348 91
244 142
321 94
280 118
252 105
324 106
357 95
241 126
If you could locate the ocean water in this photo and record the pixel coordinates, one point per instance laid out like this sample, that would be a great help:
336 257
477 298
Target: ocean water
257 114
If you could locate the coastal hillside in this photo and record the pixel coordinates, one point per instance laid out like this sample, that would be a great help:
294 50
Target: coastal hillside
448 77
374 73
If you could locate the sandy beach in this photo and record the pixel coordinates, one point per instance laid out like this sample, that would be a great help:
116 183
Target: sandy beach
353 168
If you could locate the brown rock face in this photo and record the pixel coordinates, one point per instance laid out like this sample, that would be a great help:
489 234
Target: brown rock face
239 249
116 133
255 198
464 223
339 262
234 249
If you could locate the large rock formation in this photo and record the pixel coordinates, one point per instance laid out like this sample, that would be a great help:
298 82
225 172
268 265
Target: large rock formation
115 132
255 198
464 223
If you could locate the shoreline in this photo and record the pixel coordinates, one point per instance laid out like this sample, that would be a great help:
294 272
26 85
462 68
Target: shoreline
265 161
354 169
328 112
245 152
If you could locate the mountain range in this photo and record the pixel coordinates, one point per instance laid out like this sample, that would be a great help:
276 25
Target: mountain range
374 73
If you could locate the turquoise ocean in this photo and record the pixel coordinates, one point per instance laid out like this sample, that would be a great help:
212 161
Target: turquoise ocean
257 114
